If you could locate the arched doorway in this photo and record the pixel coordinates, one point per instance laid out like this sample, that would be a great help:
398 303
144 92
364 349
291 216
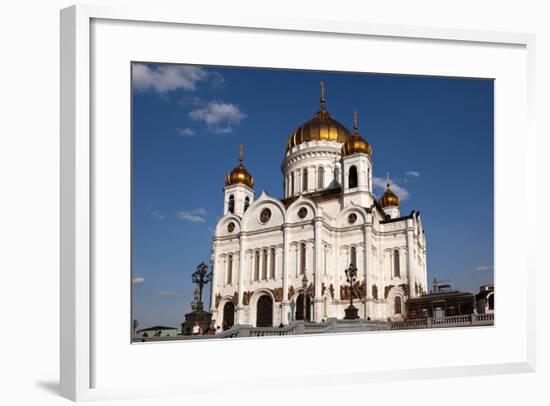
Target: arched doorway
228 315
264 312
300 307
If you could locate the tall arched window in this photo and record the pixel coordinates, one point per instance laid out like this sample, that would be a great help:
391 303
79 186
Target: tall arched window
246 202
264 265
375 291
396 265
231 206
291 184
257 265
272 264
397 305
321 177
352 182
304 180
337 174
302 257
353 256
229 269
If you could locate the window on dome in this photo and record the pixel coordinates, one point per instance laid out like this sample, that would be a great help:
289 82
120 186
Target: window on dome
231 206
291 183
246 202
321 177
352 177
304 180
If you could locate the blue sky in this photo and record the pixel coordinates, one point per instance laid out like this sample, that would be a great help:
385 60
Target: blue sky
434 135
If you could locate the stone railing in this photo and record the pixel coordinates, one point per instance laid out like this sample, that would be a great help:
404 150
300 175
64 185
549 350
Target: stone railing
441 322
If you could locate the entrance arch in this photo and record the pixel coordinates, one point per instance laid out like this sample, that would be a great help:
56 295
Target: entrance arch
264 312
228 315
300 307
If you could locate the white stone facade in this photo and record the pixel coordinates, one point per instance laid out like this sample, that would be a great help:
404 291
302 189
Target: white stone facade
323 224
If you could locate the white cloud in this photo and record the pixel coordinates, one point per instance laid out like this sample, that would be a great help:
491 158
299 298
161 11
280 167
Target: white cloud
483 268
413 173
218 116
194 216
138 280
400 191
167 78
157 214
185 132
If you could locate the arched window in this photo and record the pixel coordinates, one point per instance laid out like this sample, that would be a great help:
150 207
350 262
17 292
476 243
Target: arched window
291 184
337 174
396 265
257 265
491 302
264 265
304 180
353 256
374 291
302 257
246 202
321 177
229 269
272 264
397 305
231 206
352 182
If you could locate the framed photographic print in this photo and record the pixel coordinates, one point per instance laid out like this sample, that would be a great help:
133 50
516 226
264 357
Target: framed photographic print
279 188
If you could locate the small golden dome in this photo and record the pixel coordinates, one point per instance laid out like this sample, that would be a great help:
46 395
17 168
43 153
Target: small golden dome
320 127
356 144
389 198
239 174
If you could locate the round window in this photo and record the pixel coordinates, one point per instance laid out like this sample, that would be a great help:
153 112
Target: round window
352 218
265 215
231 227
302 213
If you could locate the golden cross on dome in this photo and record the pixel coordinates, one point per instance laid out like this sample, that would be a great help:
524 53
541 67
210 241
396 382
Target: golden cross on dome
355 120
322 94
388 179
241 154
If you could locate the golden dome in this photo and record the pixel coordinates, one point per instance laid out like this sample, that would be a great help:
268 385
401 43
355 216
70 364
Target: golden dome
239 174
320 127
356 144
389 198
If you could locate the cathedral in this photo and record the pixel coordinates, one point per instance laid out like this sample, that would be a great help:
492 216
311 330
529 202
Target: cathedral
271 254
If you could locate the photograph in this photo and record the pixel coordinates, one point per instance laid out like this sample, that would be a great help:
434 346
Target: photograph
276 202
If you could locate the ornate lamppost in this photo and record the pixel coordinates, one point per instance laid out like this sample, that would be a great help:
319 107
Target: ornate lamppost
304 286
200 278
351 277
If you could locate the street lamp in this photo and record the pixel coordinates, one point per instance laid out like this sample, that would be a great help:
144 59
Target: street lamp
304 286
351 277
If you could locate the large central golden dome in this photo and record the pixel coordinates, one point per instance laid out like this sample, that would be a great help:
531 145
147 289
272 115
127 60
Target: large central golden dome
320 127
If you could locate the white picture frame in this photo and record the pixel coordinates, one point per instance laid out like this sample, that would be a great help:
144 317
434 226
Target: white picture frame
79 349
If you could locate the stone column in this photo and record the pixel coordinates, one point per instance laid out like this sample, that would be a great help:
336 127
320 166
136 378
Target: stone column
410 261
213 287
368 274
240 280
318 245
284 275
